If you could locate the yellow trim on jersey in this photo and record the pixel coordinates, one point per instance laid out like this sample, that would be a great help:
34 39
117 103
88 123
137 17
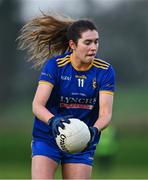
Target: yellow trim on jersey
102 67
102 61
62 64
63 61
107 92
100 64
77 69
84 69
67 56
46 82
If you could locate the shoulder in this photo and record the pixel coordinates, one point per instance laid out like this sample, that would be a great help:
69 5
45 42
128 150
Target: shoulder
101 64
59 60
63 59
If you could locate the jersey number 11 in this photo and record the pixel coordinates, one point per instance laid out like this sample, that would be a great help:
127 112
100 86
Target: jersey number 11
80 82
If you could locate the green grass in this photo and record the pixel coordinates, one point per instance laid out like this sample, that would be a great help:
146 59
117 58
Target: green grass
130 117
130 108
130 160
131 104
15 171
121 172
133 150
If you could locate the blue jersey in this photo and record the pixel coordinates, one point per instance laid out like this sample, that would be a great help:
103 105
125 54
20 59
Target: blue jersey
74 92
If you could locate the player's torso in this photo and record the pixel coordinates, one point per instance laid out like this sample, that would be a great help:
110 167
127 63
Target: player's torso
74 93
77 91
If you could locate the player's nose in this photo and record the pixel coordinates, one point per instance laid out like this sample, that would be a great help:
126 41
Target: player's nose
93 47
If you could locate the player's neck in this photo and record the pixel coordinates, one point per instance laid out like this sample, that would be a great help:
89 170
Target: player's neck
78 64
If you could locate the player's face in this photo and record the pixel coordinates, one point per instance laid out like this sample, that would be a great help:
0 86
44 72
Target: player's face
87 46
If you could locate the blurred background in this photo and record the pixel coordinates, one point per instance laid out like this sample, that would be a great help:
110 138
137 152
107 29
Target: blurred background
123 28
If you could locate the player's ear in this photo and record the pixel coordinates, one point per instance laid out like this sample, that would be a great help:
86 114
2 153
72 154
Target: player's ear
72 44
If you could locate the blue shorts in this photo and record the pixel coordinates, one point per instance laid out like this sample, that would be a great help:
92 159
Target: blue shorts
51 150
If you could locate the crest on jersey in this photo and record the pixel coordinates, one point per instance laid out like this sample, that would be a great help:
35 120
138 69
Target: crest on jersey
94 83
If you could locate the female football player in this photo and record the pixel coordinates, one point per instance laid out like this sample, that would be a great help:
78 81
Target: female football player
73 82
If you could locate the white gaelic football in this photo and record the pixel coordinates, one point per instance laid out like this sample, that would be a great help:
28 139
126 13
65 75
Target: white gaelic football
74 137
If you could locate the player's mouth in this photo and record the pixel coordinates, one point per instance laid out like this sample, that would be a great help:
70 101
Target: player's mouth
91 55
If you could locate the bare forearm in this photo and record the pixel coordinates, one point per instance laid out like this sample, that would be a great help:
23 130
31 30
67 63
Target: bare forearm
39 103
102 122
42 113
105 111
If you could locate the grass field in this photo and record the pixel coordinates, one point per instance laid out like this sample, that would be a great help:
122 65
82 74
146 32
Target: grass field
130 161
130 118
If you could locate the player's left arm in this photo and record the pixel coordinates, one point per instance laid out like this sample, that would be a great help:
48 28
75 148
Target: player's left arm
106 92
105 110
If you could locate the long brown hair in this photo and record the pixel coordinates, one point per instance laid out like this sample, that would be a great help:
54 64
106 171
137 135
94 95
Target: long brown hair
44 36
49 35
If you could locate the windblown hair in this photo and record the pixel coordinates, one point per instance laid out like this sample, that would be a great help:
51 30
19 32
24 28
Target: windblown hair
44 37
49 35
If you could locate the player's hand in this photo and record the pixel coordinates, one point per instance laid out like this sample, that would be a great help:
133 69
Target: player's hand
57 122
94 132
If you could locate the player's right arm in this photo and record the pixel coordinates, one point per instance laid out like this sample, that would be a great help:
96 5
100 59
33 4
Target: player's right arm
47 81
41 97
39 109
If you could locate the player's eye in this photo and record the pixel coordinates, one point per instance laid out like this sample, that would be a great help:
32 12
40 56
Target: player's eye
96 42
87 42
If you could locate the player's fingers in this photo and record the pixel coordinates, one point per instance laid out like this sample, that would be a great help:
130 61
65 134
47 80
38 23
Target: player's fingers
55 131
68 116
62 126
65 120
